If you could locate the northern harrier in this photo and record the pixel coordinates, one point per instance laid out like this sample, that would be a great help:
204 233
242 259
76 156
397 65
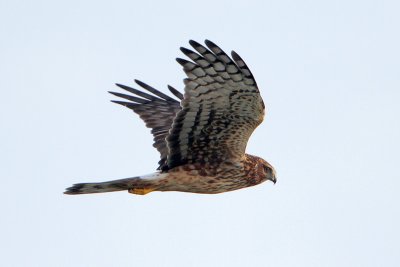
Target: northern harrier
201 135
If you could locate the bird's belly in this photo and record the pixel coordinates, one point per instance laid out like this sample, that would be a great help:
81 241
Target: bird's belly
192 181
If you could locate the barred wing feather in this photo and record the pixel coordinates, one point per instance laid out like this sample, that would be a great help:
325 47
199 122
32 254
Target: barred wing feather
157 110
221 108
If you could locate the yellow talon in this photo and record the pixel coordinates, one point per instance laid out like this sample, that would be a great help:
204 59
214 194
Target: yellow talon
140 191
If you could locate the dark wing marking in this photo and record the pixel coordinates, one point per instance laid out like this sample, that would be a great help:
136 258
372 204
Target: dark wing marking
157 110
220 109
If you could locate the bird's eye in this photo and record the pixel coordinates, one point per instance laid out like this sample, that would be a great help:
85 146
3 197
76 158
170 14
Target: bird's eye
267 169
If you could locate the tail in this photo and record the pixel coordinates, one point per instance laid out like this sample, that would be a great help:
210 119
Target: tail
110 186
137 185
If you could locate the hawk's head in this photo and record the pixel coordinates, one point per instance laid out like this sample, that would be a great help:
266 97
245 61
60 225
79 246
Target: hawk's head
259 169
268 171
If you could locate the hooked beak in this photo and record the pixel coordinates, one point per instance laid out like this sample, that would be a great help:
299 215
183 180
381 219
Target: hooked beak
274 176
273 179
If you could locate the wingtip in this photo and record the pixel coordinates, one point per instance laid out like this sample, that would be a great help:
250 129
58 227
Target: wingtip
119 102
193 42
175 92
181 61
115 93
122 86
234 54
140 83
210 43
143 84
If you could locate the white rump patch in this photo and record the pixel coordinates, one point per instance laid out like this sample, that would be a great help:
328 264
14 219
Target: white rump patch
153 176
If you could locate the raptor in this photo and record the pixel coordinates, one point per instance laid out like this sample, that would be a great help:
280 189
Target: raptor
202 134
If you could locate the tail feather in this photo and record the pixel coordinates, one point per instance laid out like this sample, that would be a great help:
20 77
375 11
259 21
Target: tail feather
110 186
137 185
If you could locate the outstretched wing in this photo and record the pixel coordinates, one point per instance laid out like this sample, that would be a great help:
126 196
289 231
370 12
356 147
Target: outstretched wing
157 110
221 108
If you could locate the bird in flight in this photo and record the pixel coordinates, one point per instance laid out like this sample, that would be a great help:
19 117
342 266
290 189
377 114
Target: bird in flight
202 134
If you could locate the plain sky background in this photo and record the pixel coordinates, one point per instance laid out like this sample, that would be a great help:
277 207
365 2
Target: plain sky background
329 74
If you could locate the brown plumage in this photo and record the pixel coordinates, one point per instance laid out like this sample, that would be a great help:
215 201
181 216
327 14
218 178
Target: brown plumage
201 135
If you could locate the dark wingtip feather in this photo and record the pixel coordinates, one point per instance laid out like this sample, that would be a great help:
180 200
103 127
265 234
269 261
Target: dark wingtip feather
154 91
125 104
140 83
175 92
236 56
194 43
123 86
210 43
215 48
189 53
238 60
130 98
137 92
199 47
182 61
242 65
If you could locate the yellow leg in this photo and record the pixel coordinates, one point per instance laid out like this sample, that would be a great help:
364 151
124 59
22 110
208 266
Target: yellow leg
140 191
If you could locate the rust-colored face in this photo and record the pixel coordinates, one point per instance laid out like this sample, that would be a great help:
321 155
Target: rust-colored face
257 170
269 172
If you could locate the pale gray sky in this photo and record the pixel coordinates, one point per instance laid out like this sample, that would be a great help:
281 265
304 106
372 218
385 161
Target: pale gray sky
329 74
